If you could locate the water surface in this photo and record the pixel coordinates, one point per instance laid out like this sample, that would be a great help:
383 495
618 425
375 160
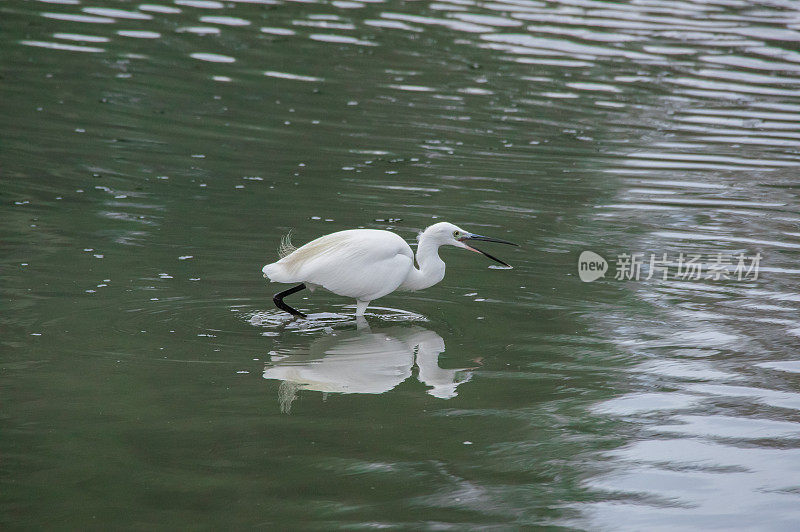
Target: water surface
155 153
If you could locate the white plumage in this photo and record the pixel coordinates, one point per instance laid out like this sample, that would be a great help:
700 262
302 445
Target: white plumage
366 264
361 263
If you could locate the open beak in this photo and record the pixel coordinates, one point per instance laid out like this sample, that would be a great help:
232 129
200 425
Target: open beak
488 239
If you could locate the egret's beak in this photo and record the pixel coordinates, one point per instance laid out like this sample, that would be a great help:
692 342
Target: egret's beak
487 239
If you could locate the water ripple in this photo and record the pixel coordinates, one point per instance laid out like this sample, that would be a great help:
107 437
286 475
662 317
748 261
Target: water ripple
117 13
286 75
213 58
71 17
62 46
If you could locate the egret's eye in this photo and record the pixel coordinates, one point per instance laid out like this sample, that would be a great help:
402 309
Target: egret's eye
456 234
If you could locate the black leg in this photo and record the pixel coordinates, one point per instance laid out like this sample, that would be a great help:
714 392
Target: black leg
278 299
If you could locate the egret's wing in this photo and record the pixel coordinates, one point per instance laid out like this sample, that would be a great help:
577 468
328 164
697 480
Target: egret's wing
360 263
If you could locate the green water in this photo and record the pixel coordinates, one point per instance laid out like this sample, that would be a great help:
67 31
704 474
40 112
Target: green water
153 155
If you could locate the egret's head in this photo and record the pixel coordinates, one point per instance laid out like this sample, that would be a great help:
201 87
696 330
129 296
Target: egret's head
447 234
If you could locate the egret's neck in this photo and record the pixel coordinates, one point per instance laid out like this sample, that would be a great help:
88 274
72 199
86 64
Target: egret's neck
431 267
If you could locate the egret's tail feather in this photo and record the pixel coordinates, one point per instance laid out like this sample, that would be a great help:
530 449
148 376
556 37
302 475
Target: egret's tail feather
286 246
275 272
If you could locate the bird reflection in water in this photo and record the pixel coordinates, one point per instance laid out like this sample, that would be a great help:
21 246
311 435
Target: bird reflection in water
364 361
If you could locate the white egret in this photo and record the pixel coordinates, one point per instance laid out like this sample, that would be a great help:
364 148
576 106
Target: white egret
366 264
